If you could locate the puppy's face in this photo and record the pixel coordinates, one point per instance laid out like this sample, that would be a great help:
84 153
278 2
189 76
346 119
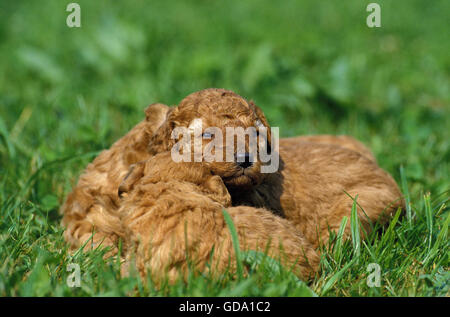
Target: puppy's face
224 131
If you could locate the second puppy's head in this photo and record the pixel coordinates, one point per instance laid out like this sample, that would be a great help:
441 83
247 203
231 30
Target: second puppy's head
219 128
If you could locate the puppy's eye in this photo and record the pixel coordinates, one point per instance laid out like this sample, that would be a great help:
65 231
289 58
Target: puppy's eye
207 135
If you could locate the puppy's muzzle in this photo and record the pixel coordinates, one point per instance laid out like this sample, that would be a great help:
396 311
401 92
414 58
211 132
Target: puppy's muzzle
244 160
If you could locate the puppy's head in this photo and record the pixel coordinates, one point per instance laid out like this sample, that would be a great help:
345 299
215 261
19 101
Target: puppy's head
225 132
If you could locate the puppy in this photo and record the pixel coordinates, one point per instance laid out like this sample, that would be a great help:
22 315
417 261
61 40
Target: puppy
316 187
316 183
173 223
92 205
90 210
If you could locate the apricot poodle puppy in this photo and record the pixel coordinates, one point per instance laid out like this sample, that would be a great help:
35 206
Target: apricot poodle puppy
316 183
90 210
313 187
173 222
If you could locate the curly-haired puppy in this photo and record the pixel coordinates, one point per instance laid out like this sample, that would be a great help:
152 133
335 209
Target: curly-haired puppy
309 188
316 183
90 210
173 222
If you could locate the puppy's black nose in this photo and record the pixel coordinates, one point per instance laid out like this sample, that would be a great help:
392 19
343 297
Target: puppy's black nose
244 160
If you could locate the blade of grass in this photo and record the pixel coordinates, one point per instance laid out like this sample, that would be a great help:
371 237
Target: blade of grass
355 229
407 196
388 236
235 239
332 280
429 218
339 239
441 240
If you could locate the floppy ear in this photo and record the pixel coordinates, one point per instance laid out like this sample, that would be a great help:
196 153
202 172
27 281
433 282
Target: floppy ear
263 119
155 114
260 114
136 142
161 140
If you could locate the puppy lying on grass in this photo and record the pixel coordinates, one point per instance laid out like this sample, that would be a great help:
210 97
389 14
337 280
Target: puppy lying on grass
172 221
316 182
90 210
311 188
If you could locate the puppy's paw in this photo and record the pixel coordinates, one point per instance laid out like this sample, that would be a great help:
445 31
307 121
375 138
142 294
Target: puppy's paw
216 190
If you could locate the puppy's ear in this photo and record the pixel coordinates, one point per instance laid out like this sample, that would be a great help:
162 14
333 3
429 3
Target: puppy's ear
263 119
156 114
161 140
260 114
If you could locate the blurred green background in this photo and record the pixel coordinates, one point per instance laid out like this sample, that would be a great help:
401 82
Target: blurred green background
312 66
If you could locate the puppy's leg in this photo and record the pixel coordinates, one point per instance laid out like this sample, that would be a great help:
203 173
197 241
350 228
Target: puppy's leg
216 190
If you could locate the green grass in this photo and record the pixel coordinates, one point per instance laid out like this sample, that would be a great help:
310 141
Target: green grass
313 66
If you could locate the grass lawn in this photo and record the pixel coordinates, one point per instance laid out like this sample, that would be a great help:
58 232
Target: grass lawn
312 66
